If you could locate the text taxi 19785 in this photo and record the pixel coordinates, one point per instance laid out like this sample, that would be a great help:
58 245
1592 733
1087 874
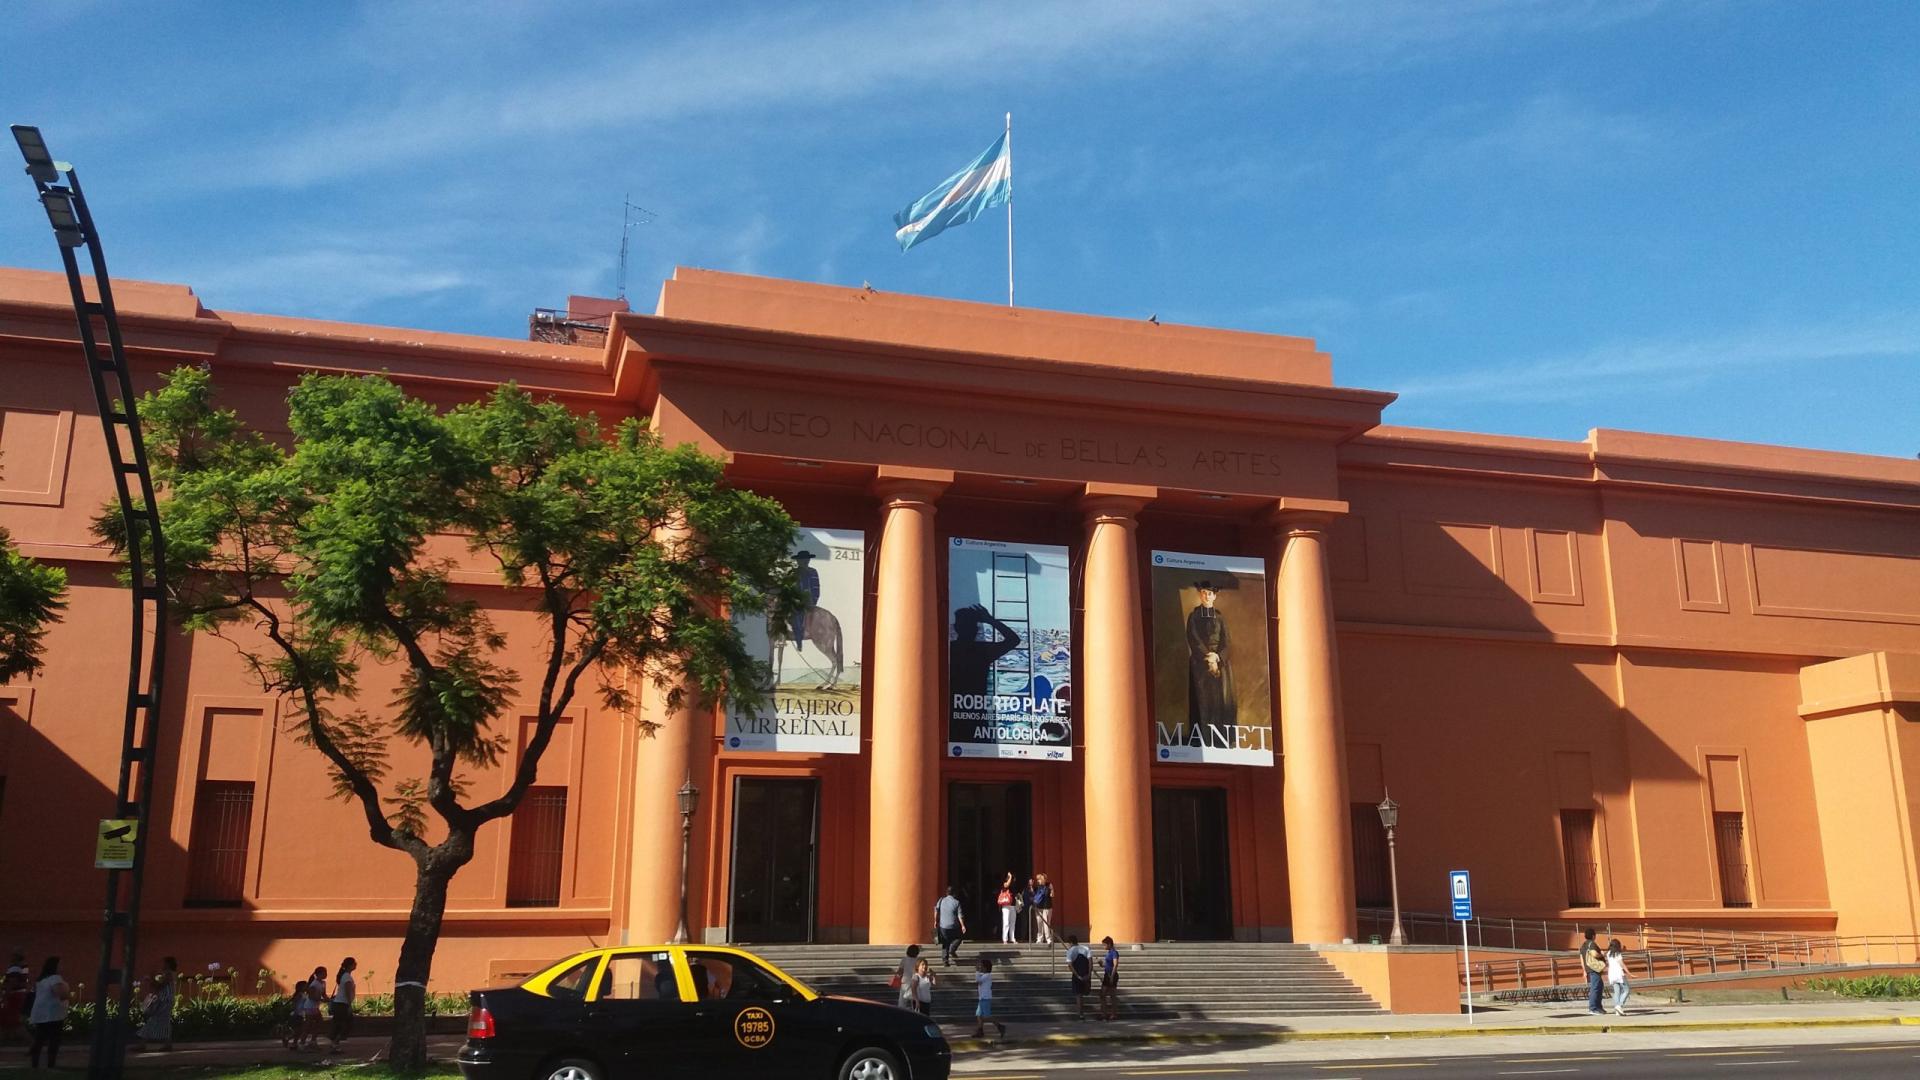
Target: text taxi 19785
689 1011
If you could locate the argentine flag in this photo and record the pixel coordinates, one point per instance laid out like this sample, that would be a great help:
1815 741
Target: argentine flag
985 183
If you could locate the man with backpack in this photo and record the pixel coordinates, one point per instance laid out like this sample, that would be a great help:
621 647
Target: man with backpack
1080 968
949 926
1594 961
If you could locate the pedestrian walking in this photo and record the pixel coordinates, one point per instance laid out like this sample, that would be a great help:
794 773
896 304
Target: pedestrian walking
902 980
340 1005
156 1015
16 997
983 1003
923 980
1042 910
1009 901
949 926
1595 963
49 1013
1617 976
1080 970
1109 981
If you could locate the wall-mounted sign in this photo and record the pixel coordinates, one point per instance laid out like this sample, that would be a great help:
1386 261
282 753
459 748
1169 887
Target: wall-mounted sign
114 848
1212 699
813 661
1009 651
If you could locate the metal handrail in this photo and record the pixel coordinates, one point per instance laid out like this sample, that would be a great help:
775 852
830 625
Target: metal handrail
1562 969
1552 935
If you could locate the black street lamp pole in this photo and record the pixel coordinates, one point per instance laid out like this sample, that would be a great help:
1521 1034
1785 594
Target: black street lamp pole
1390 817
689 802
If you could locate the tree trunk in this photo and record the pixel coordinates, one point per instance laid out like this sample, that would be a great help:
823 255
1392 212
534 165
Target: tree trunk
407 1049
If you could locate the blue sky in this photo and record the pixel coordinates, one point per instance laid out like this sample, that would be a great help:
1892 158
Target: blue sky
1525 217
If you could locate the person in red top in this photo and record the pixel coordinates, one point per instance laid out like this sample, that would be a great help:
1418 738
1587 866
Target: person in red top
1009 902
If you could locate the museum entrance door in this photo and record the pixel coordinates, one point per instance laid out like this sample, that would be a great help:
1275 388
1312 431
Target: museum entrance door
989 832
775 829
1192 894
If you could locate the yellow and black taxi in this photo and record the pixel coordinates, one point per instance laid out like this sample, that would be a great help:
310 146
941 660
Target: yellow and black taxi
689 1011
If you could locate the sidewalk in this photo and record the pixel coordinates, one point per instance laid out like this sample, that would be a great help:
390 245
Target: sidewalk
1507 1020
1062 1043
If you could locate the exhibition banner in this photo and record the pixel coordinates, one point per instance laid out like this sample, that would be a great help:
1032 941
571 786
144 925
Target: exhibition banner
813 660
1009 651
1212 696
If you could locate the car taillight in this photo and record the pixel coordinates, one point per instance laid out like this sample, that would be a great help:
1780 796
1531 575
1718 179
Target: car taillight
480 1023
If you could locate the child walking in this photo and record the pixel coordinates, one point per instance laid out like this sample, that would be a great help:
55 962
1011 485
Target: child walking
922 987
1617 975
983 1010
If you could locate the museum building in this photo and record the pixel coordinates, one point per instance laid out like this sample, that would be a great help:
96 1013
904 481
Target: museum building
1158 611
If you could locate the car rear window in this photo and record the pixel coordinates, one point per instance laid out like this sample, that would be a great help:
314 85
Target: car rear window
571 984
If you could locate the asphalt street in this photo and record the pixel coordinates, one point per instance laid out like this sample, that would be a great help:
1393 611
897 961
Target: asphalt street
1863 1060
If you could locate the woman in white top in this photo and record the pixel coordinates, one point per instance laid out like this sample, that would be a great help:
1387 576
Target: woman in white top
1617 975
340 1006
49 1013
904 977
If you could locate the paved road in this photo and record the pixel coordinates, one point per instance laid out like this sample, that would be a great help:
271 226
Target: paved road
1856 1061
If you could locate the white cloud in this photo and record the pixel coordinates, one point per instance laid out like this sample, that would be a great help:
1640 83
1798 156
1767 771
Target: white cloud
338 280
796 58
1661 365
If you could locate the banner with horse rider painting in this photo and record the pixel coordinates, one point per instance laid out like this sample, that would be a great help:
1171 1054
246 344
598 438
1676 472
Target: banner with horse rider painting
813 661
1009 651
1212 696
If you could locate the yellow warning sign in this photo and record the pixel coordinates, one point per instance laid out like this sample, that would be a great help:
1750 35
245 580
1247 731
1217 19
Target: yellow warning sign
114 851
753 1027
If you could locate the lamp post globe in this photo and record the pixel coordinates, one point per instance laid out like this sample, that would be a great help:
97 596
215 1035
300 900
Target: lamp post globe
689 797
1389 820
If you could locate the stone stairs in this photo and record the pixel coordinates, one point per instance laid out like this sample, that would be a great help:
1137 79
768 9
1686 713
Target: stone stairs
1197 981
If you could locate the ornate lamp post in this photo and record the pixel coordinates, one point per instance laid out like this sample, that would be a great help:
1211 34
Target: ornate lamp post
689 802
1389 818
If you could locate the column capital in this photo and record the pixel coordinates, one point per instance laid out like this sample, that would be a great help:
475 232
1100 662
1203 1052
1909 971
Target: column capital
1296 515
1115 503
895 484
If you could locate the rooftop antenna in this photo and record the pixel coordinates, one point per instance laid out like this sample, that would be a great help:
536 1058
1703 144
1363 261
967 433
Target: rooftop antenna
631 214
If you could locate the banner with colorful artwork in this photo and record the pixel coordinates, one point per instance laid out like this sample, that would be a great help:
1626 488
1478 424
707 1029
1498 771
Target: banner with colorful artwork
813 661
1212 696
1009 651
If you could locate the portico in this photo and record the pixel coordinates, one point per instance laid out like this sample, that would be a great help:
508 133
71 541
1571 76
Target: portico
922 421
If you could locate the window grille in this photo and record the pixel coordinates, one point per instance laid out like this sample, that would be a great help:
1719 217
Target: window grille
539 844
1730 837
1582 861
217 852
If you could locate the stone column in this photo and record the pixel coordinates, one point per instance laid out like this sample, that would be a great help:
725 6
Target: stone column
1313 738
903 836
680 746
1112 713
663 762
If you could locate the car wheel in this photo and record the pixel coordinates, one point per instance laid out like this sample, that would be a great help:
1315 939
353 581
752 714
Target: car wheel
572 1069
871 1063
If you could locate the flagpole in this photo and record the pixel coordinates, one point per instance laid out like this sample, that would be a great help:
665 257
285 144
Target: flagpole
1009 209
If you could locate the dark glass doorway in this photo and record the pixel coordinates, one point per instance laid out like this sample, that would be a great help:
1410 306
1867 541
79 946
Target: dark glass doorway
775 826
1192 894
989 832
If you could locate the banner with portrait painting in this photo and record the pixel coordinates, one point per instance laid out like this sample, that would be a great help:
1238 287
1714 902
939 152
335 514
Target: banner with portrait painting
1009 651
813 660
1212 694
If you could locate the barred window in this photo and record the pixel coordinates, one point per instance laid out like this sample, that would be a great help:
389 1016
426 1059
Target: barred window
539 844
217 851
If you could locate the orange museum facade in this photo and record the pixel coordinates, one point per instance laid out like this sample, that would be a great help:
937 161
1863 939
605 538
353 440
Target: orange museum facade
1631 678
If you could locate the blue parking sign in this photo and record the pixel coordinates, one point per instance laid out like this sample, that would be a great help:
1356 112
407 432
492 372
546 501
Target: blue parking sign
1462 893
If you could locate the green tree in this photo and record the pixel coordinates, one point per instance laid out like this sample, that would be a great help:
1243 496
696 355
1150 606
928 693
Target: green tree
330 554
31 596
